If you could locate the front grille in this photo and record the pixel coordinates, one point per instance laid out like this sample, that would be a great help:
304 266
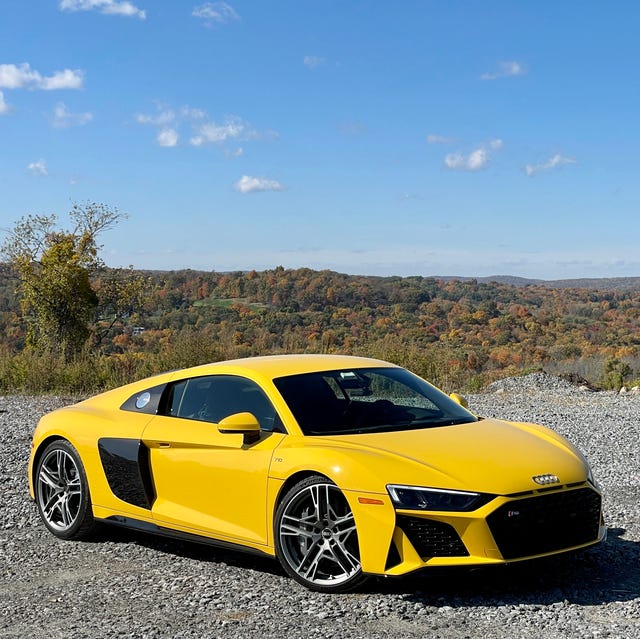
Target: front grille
432 538
546 523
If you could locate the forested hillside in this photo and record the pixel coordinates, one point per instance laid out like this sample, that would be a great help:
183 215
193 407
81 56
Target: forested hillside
459 333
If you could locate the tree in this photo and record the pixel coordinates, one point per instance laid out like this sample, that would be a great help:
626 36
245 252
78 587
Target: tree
55 268
121 293
615 373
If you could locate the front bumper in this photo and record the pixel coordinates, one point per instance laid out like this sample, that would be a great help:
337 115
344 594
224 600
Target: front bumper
507 529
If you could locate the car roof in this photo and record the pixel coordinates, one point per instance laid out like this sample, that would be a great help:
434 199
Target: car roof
281 365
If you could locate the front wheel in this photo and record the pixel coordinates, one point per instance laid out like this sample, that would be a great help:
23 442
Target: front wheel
62 492
316 538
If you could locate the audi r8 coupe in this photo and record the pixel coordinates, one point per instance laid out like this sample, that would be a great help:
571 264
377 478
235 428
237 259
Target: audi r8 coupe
341 467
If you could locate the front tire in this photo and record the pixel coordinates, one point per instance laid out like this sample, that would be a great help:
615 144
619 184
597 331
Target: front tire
62 492
315 537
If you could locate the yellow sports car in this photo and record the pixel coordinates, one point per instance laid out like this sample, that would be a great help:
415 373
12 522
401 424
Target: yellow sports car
341 467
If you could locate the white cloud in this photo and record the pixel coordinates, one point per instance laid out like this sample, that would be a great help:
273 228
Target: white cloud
160 119
433 138
552 163
476 160
248 184
38 168
233 129
203 130
505 70
18 76
215 13
66 79
4 106
313 61
63 118
167 137
455 161
22 76
107 7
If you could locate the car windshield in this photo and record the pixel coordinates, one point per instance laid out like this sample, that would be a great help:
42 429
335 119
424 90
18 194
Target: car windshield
367 400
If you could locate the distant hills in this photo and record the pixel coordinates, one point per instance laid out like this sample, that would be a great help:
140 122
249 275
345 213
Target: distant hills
594 283
589 283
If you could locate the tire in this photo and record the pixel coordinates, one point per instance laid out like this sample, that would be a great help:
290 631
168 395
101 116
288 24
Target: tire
62 492
316 539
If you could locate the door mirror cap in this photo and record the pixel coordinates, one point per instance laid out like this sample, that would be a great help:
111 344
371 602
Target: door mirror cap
459 399
241 423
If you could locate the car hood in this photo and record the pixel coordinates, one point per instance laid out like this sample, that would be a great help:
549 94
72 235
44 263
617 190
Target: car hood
490 456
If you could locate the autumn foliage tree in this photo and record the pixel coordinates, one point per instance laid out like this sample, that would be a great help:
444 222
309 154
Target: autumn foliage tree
55 268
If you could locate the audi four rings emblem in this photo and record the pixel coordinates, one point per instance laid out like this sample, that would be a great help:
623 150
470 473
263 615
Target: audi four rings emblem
546 479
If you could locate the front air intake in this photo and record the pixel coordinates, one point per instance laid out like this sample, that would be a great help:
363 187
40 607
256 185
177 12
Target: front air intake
546 523
432 538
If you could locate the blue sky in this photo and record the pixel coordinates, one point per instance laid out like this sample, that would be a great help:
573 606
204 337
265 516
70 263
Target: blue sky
406 138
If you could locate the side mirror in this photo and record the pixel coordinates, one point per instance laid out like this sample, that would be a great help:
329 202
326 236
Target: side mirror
459 399
241 423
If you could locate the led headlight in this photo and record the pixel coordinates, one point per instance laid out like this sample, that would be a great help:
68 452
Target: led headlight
418 498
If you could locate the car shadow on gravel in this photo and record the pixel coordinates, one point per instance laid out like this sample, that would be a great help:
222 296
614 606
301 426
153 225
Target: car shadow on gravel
204 552
604 574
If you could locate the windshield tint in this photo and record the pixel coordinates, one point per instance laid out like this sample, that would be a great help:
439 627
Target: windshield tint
367 400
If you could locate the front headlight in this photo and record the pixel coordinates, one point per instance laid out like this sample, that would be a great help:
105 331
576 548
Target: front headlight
418 498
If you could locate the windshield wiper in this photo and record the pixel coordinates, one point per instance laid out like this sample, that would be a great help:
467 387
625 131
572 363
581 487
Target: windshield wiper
440 421
424 422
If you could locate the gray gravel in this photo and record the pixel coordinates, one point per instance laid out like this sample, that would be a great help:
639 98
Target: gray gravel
130 585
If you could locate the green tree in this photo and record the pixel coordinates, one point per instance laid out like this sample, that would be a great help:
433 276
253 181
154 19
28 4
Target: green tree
55 269
614 374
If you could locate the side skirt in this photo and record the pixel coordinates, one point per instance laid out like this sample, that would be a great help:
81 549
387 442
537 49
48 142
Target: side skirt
154 529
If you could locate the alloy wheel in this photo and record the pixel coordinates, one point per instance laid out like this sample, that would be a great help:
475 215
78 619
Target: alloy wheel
59 490
317 536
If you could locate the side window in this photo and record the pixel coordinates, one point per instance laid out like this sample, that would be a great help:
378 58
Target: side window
215 397
190 399
174 399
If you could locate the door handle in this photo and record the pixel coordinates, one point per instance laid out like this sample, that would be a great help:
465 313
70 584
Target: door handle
164 445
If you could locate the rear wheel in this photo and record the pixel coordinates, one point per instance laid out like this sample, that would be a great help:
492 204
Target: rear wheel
316 537
62 492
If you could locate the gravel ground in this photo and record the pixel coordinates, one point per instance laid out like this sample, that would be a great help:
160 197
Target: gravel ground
131 585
